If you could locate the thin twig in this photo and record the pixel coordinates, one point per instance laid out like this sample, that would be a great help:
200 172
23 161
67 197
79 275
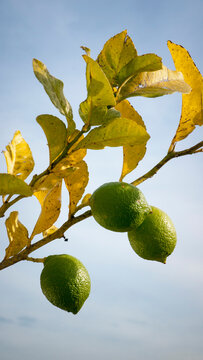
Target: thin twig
171 155
7 205
56 235
38 260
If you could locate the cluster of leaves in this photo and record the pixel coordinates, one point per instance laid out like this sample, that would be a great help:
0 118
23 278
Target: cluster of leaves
109 119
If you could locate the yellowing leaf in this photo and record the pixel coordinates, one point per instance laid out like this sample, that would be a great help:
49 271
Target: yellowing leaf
85 200
17 234
50 201
98 86
100 94
92 115
75 157
116 53
132 154
116 132
76 184
46 182
56 134
50 231
154 83
54 89
127 111
86 49
143 63
10 184
18 156
192 104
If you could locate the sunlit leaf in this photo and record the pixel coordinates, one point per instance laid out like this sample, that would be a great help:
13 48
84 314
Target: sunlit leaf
50 201
100 94
132 153
153 84
116 53
116 132
143 63
11 184
86 49
47 182
56 134
17 234
192 104
85 200
90 114
98 86
76 184
75 157
96 115
50 231
18 156
54 89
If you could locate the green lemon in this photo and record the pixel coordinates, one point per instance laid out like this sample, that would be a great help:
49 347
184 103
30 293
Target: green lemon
119 206
65 282
155 238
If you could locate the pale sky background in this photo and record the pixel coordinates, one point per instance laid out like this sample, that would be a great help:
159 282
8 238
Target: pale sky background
137 309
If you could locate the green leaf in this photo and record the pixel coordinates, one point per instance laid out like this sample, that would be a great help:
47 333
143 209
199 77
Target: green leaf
98 86
10 184
56 134
92 115
54 89
116 132
153 84
116 53
96 115
147 62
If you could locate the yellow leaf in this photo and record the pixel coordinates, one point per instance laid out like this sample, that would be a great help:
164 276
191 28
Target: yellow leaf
18 156
139 64
90 114
116 132
17 234
132 154
154 83
61 170
54 89
98 86
85 200
192 108
50 231
56 134
46 182
50 201
11 184
117 52
76 184
75 157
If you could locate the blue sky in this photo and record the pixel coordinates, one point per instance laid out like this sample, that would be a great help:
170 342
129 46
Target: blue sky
137 309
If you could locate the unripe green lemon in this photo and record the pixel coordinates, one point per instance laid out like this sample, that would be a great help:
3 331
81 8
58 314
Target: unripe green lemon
65 282
119 206
155 238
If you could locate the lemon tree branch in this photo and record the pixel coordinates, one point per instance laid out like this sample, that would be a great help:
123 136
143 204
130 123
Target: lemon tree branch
171 155
23 255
